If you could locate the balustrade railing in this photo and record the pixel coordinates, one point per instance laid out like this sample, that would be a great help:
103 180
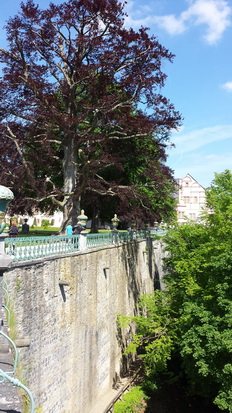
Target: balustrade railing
98 240
29 248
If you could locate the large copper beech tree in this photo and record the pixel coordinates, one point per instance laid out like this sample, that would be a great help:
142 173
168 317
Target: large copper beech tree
75 87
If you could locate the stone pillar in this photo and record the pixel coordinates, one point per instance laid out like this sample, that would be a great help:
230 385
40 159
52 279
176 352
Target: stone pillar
82 241
115 238
2 243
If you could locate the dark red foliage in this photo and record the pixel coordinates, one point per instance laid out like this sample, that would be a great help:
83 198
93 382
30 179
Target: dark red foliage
73 94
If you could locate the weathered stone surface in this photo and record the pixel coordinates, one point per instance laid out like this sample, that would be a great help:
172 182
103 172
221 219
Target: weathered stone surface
23 342
5 260
75 347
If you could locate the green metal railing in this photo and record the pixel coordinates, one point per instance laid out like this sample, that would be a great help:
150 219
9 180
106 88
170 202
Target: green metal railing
18 383
29 248
98 240
159 232
130 236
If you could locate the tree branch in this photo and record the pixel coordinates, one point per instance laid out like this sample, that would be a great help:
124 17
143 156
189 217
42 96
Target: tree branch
12 137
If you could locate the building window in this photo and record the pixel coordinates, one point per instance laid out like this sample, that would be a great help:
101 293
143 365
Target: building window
192 216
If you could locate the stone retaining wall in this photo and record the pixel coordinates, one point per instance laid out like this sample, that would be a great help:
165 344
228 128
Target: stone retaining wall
66 308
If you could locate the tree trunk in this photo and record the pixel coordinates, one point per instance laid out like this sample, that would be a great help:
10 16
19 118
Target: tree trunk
95 221
70 213
71 208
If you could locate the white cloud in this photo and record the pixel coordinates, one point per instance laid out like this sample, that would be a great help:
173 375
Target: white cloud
227 86
170 23
201 167
186 142
215 14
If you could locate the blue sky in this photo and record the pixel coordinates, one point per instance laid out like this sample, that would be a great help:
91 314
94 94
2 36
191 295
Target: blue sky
199 83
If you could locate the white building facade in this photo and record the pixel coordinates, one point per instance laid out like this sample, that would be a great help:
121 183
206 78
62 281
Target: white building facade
191 199
55 220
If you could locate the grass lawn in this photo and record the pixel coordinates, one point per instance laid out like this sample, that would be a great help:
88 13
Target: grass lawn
37 232
40 232
44 232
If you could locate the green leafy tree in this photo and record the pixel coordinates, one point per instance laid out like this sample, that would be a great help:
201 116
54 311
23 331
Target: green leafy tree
196 306
155 332
145 185
219 195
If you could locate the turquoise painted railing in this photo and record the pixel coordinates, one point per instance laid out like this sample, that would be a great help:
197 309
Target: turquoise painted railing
16 382
160 232
130 236
98 240
6 375
29 248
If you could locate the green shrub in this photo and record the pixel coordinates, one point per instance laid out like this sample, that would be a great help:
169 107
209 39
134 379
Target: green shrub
132 402
45 223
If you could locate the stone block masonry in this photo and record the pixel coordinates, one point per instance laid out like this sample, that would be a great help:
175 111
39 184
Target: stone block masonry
66 307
